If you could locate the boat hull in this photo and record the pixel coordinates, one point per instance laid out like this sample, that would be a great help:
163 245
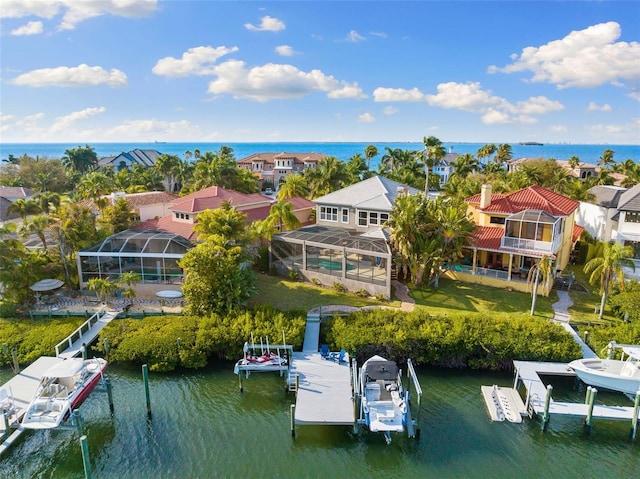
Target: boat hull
46 412
605 374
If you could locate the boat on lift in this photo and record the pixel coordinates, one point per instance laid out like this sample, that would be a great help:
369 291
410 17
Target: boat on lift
614 374
63 388
384 398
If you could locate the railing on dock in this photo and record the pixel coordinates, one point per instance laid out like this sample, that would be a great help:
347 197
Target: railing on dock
78 333
413 379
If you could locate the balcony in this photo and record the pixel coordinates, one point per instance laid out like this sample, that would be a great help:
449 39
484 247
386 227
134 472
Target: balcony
525 244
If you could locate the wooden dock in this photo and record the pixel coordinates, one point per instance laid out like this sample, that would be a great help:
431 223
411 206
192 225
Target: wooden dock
324 395
71 346
21 390
529 373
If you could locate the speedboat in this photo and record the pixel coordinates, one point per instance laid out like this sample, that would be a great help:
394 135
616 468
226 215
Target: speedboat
63 388
614 374
384 399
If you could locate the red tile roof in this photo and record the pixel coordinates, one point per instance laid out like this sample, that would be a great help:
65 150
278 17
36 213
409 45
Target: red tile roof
167 224
488 237
577 231
213 197
531 198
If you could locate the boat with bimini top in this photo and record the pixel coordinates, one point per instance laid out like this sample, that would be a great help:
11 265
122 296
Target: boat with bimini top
384 399
614 374
63 388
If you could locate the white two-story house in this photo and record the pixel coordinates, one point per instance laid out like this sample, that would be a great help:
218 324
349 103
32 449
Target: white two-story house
348 244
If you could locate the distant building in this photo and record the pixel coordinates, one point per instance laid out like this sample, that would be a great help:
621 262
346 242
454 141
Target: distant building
444 168
127 160
275 167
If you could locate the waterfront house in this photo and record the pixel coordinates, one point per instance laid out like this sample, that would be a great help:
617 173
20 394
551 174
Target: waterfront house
600 216
627 232
514 232
348 244
126 160
275 167
444 167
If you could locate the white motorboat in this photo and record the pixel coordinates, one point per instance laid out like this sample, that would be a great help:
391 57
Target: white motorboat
383 397
614 374
63 388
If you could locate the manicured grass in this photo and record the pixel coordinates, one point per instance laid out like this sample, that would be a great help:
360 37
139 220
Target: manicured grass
286 295
582 312
456 296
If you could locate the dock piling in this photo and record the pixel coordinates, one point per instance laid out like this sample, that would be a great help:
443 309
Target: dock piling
145 377
634 420
546 416
240 380
16 364
85 457
592 401
76 420
293 420
107 383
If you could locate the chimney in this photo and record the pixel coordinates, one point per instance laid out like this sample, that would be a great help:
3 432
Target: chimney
485 196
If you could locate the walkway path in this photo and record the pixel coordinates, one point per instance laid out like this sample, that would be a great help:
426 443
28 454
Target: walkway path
402 292
561 316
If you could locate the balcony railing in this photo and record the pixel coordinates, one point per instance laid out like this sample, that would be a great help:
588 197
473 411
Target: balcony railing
532 245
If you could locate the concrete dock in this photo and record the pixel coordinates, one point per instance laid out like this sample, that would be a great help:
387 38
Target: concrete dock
324 394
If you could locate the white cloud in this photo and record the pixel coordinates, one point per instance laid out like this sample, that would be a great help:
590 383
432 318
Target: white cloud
276 81
381 94
195 61
347 91
267 24
593 106
64 122
82 75
390 110
379 34
31 28
625 130
635 95
285 50
76 11
366 118
354 37
472 98
586 58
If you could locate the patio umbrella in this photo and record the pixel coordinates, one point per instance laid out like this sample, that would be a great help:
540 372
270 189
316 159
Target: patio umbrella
46 285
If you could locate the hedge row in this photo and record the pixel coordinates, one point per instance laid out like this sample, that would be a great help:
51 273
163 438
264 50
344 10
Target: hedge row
454 341
620 332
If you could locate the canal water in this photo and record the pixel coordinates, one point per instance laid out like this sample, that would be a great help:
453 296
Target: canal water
203 427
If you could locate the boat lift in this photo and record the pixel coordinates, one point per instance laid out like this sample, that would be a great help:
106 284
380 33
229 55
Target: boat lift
263 357
412 425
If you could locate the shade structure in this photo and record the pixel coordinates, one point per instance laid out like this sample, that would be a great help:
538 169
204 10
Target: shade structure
46 285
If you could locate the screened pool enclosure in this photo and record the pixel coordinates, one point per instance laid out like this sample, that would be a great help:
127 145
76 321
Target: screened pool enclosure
335 255
154 255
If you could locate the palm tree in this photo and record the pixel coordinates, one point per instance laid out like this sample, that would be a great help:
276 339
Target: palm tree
606 161
608 266
281 214
434 151
125 281
292 186
80 159
47 200
37 225
503 154
573 162
23 207
103 288
369 152
465 164
168 166
544 268
486 151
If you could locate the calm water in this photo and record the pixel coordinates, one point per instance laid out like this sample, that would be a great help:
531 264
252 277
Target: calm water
203 427
343 151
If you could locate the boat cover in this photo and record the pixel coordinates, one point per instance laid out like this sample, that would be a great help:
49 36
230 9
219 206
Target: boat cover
384 370
64 369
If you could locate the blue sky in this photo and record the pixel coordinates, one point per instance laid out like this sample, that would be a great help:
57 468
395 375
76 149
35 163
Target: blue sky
153 70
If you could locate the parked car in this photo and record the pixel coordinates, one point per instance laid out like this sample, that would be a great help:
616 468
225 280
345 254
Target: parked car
268 191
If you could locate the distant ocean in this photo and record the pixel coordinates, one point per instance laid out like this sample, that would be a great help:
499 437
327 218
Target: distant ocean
342 151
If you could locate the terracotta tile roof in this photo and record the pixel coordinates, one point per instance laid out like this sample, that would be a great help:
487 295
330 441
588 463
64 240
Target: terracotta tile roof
577 231
269 158
300 203
167 224
213 197
531 198
488 237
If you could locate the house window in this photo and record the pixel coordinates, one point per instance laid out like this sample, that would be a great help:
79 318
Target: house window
345 215
636 248
328 214
372 218
186 217
177 215
497 220
632 217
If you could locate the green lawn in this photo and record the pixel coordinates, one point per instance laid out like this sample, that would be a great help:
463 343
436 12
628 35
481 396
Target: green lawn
582 312
458 296
286 295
